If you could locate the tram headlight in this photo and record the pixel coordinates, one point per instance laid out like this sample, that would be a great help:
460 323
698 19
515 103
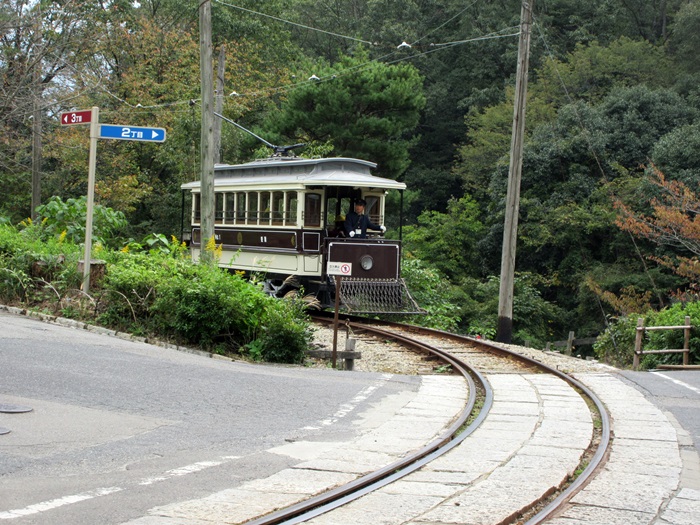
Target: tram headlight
366 262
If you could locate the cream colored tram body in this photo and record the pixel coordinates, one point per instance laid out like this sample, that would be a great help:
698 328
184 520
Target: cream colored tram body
282 219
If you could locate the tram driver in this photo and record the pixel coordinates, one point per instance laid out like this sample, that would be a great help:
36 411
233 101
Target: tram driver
357 223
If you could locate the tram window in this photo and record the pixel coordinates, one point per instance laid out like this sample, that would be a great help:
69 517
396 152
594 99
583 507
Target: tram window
196 207
336 208
291 208
331 211
372 209
240 208
219 208
265 208
252 211
230 207
312 210
277 207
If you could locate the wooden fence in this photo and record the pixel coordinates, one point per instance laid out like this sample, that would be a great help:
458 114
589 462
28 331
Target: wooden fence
641 330
570 343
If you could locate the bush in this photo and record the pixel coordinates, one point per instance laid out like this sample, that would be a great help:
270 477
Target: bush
67 219
663 339
28 266
205 305
429 287
128 291
285 331
157 292
615 345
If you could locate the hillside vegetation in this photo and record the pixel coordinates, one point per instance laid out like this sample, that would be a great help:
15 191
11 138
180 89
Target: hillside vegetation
608 225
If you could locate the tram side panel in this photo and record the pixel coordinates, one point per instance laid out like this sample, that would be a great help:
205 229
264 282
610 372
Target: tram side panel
286 252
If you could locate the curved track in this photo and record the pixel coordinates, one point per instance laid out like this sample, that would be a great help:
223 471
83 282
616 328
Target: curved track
469 358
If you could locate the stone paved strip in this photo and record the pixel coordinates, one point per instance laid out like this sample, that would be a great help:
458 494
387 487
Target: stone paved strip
640 482
532 440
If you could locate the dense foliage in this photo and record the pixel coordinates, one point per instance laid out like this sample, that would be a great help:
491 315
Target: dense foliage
613 90
155 293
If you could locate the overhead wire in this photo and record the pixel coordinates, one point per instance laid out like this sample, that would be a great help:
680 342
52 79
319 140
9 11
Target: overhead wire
292 23
386 58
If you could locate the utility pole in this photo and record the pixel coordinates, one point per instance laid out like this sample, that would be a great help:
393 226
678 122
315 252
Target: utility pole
219 106
37 143
207 135
504 331
37 90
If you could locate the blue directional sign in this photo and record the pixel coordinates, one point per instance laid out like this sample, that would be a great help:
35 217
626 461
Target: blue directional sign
108 131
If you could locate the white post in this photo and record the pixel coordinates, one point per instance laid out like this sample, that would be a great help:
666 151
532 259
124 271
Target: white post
94 133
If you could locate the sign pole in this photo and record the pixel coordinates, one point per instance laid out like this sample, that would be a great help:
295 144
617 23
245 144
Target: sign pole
334 354
94 133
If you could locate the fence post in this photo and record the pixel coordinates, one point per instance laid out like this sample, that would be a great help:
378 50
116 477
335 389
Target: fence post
686 340
350 347
638 343
570 343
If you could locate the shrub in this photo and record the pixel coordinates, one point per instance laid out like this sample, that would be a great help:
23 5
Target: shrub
67 219
429 288
128 290
662 339
285 333
29 265
615 345
206 304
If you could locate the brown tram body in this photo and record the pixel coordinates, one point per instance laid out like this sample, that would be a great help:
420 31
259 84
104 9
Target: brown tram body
281 217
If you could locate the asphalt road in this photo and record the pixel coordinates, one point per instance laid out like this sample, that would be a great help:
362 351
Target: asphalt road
119 427
676 391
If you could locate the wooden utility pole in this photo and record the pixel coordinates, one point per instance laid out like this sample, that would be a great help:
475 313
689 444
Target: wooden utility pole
37 143
37 91
504 331
207 135
219 106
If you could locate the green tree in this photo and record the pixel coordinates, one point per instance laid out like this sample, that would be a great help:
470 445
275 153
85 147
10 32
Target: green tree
684 40
592 70
448 240
366 109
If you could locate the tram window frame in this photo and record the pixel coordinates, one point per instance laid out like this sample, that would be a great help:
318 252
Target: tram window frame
313 211
241 207
277 207
218 208
373 208
229 207
265 208
252 210
291 207
196 208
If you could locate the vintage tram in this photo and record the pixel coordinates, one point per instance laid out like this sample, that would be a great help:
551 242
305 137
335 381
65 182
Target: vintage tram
283 218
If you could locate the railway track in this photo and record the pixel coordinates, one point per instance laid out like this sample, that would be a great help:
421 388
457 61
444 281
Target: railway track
499 383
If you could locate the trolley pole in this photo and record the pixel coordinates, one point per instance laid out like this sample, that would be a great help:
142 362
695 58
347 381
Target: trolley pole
504 332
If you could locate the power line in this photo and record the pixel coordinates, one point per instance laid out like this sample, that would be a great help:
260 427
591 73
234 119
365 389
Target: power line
293 23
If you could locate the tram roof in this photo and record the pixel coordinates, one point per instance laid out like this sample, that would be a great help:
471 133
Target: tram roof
278 173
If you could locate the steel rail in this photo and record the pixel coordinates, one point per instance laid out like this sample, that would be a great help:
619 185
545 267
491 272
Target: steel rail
332 499
450 438
605 439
